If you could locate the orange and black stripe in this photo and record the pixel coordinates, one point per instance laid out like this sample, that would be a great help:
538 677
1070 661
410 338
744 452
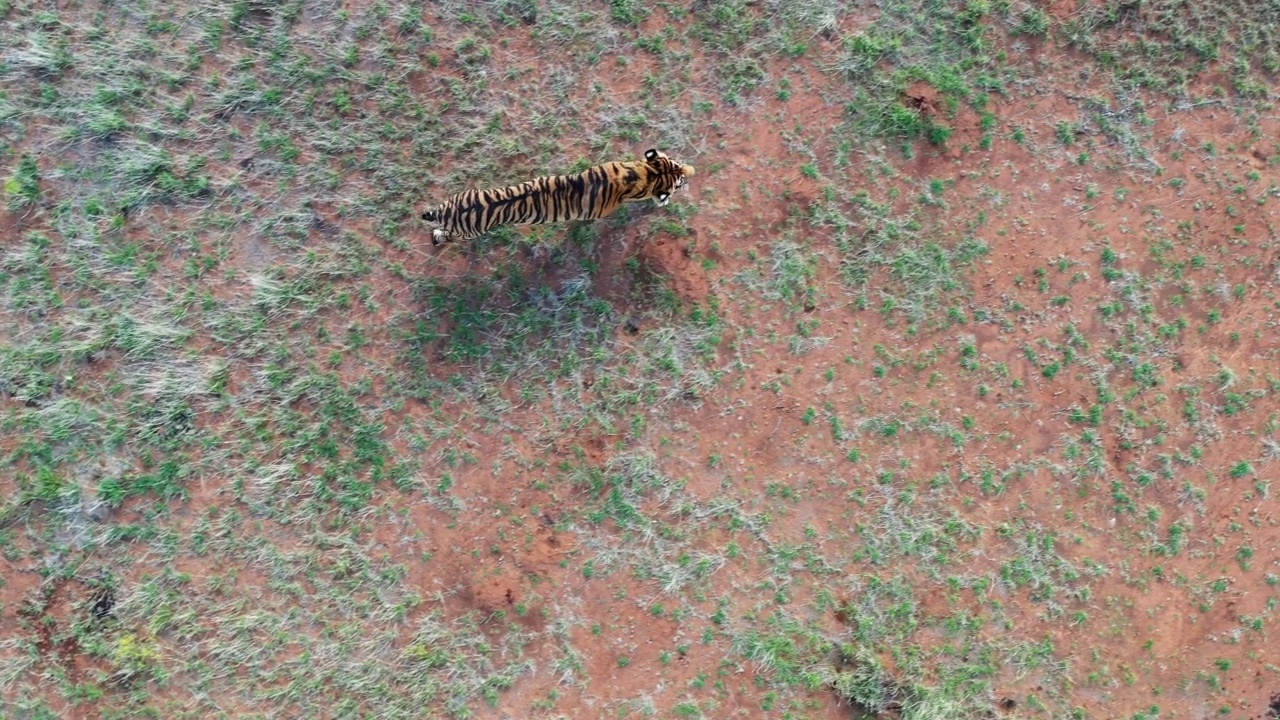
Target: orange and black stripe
594 193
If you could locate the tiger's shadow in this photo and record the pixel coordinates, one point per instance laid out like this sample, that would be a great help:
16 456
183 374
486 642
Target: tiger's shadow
516 296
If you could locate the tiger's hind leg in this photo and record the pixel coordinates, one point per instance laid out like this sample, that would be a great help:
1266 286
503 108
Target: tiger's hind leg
438 235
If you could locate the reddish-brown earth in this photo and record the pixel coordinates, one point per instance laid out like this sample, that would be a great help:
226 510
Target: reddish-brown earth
512 551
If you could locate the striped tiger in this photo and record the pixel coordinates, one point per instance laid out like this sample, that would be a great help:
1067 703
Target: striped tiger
595 193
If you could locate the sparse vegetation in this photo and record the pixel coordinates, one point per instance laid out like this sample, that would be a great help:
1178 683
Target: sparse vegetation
946 391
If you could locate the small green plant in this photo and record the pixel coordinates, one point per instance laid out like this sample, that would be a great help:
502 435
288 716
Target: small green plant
133 656
22 189
1033 22
1066 132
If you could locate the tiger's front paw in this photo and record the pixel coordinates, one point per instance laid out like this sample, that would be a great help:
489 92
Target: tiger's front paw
439 237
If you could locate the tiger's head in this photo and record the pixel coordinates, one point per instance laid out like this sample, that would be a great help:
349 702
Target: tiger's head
668 175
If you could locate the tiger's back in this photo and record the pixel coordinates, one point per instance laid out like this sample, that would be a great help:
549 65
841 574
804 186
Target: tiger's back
595 193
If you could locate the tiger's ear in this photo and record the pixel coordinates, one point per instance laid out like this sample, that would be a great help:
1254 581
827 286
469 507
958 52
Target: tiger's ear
650 154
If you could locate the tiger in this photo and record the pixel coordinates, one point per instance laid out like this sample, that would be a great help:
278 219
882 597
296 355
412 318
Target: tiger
592 194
